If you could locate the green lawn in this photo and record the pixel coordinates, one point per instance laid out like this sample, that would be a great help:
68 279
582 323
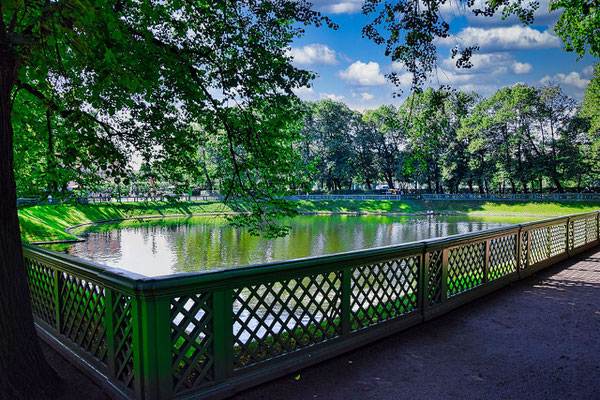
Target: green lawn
48 223
513 208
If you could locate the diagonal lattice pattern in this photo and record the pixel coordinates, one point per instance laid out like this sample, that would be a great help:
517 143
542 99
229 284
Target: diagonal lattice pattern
275 318
503 257
192 336
82 315
41 289
539 247
383 291
579 233
434 283
558 239
123 340
524 254
590 228
466 265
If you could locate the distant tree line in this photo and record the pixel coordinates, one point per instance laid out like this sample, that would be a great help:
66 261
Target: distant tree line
521 139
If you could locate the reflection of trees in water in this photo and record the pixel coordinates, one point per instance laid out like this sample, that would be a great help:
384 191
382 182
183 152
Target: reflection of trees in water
201 243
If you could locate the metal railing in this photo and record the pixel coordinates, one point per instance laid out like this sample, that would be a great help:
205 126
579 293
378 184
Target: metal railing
210 334
29 201
514 196
457 196
330 197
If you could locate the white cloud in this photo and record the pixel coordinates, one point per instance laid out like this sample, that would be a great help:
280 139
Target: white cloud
338 6
489 63
331 96
366 96
305 93
313 54
521 68
363 74
588 71
571 79
516 37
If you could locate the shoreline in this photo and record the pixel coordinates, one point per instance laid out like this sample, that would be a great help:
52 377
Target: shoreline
320 213
52 224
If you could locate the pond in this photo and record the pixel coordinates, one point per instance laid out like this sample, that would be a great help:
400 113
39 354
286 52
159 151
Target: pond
154 247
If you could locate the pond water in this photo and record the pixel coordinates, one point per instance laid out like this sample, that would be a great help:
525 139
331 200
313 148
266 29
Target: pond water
154 247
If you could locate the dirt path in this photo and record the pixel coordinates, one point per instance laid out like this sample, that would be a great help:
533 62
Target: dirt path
537 339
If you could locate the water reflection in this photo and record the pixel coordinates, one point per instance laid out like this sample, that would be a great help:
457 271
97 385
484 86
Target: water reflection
172 245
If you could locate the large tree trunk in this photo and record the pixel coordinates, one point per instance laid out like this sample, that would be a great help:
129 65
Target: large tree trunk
24 372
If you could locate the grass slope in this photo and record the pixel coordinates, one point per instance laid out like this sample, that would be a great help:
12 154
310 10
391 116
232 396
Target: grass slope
48 223
512 208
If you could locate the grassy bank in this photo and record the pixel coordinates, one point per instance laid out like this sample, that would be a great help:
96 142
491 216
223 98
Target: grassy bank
48 223
461 207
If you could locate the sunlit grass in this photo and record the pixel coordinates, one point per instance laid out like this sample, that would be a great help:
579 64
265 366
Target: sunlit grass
507 208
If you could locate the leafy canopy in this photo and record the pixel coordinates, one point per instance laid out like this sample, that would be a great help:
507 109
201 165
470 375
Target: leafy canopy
158 77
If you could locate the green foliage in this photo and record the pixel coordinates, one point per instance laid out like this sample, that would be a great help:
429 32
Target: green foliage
521 139
590 110
578 25
387 134
328 130
165 80
522 135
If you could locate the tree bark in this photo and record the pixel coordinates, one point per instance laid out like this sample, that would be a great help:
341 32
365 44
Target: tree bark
24 372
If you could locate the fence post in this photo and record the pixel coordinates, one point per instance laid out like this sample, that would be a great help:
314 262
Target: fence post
153 347
58 277
486 265
445 267
569 234
528 256
549 244
519 243
423 281
346 301
598 226
109 326
223 333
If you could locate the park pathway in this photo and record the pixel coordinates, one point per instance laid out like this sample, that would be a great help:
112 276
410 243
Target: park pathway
536 339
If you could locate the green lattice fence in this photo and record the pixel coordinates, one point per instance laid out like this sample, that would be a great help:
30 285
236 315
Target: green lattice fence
213 333
93 319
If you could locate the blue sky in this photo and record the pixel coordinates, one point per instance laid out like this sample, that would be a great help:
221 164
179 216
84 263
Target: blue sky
351 69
